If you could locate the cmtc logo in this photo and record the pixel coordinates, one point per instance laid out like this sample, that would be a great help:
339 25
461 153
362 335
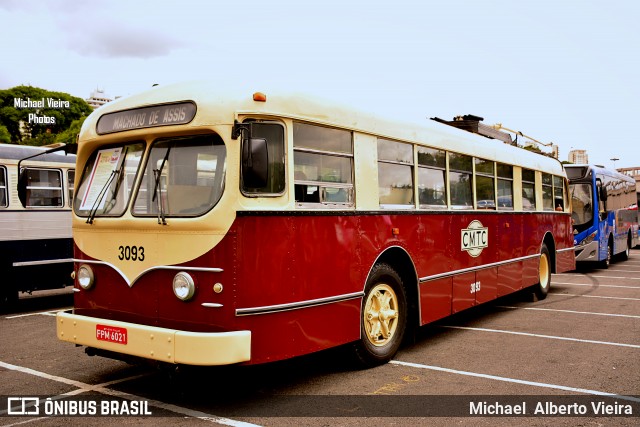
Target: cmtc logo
474 238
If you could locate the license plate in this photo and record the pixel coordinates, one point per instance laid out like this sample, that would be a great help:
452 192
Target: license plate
111 334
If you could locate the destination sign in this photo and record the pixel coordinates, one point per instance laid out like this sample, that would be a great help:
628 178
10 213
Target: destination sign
146 117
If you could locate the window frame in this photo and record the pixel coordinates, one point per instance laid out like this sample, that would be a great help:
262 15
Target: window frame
323 186
60 188
409 163
250 192
4 189
432 168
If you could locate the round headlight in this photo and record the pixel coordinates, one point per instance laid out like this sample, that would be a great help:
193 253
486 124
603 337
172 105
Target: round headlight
85 277
183 286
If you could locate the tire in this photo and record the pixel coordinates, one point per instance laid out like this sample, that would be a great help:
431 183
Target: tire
383 317
624 255
605 263
544 274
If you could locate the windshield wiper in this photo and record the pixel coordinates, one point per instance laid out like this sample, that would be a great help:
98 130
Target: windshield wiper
115 174
101 194
157 189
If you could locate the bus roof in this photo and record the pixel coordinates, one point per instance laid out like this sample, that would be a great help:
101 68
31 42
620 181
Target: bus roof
18 152
217 105
603 171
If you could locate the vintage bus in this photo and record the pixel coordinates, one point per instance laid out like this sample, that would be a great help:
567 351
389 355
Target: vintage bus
605 215
217 228
36 249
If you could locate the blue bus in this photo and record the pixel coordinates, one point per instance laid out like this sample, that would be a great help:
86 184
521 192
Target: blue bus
604 213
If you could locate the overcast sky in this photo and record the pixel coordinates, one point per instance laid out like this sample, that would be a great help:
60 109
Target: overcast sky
562 71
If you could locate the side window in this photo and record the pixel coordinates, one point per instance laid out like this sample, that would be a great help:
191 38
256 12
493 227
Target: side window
274 134
432 175
323 166
559 194
4 194
71 175
44 188
505 186
547 192
485 184
460 179
395 174
528 190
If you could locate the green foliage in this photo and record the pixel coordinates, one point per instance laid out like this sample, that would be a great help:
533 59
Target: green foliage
24 129
5 136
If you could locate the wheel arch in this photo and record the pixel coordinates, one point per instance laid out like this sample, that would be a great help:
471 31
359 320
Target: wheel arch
399 259
551 245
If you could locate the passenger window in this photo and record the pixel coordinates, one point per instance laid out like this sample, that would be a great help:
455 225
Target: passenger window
323 166
395 174
71 176
460 178
547 192
44 188
432 190
505 186
559 194
4 196
485 184
528 190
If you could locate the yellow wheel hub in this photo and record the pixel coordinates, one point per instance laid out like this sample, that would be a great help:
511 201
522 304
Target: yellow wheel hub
381 314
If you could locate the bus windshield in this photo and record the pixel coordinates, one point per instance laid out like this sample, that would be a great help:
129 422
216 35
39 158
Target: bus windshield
183 177
582 199
107 180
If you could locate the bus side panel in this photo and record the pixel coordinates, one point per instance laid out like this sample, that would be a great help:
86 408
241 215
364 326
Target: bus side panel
480 286
563 234
298 259
433 256
509 237
435 300
535 226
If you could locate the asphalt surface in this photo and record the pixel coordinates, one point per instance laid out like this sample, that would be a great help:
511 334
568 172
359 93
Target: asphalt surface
579 349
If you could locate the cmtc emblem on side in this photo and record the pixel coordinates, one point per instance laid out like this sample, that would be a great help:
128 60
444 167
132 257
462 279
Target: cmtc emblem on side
474 238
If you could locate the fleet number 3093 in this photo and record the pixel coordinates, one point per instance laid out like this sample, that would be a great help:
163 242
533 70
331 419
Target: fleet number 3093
131 253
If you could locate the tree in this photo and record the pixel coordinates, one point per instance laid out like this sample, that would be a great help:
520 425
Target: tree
30 114
5 136
70 136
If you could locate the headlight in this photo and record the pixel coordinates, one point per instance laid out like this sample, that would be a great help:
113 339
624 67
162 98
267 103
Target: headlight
588 239
85 277
183 286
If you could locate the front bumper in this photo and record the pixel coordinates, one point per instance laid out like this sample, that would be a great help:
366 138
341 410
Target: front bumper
588 252
162 344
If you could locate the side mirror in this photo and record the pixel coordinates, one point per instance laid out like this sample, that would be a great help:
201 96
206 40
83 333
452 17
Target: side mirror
255 162
22 187
603 194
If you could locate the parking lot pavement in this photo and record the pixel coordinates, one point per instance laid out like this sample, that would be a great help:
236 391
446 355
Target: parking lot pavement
578 347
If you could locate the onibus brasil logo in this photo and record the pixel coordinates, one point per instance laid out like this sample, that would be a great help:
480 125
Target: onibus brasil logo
474 238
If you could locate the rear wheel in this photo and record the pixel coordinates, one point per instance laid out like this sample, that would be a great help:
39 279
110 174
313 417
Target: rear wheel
544 274
383 317
627 250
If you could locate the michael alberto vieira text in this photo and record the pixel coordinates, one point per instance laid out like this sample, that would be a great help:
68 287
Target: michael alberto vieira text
551 408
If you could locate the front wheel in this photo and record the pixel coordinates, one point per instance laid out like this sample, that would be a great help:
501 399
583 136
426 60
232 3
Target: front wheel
544 274
605 263
383 317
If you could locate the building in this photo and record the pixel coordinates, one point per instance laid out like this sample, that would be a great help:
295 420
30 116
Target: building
98 98
578 157
632 172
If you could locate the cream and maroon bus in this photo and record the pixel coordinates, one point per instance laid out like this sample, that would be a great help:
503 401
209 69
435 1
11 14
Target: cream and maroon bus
216 228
